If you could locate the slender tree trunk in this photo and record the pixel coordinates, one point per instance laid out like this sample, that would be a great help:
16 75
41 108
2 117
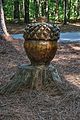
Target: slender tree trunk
3 28
16 11
78 8
57 9
42 9
46 9
39 2
26 3
69 9
65 11
36 3
23 8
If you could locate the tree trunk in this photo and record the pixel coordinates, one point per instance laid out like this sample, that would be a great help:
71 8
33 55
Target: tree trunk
69 9
16 11
39 77
78 8
36 3
23 10
46 9
3 30
65 11
26 4
57 10
39 2
42 9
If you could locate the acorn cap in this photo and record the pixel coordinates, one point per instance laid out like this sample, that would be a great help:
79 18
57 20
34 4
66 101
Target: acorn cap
41 30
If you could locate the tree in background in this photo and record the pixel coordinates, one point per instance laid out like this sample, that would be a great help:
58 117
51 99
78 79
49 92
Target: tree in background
54 10
36 4
78 8
42 8
16 11
26 3
46 9
3 29
65 11
69 10
57 9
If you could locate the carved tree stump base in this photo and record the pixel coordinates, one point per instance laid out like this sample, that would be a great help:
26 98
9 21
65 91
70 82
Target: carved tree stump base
39 77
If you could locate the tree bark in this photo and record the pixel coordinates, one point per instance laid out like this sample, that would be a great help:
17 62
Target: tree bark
69 9
57 9
42 9
16 11
3 30
39 77
26 4
36 3
65 11
46 9
78 8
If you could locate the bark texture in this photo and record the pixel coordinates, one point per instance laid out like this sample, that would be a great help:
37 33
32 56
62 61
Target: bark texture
34 77
2 20
3 30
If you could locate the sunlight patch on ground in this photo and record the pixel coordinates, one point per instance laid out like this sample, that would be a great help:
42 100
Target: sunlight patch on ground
11 64
75 82
76 47
78 24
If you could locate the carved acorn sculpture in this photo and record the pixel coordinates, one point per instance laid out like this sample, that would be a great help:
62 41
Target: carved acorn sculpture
41 41
40 45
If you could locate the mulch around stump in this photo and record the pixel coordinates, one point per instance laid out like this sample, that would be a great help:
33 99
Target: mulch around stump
40 105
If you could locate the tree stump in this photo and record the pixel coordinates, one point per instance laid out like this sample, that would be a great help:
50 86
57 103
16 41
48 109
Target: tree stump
39 77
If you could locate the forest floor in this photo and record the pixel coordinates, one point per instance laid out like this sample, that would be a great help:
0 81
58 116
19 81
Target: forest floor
40 105
19 28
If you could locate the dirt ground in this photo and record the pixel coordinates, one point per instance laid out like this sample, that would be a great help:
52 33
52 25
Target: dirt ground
40 105
19 28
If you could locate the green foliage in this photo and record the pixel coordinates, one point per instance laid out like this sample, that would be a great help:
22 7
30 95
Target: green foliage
73 11
32 9
8 8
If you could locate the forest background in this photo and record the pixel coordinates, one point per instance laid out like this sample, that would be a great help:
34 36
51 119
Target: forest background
55 10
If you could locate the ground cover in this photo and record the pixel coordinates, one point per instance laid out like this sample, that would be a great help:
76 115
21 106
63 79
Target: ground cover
39 105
